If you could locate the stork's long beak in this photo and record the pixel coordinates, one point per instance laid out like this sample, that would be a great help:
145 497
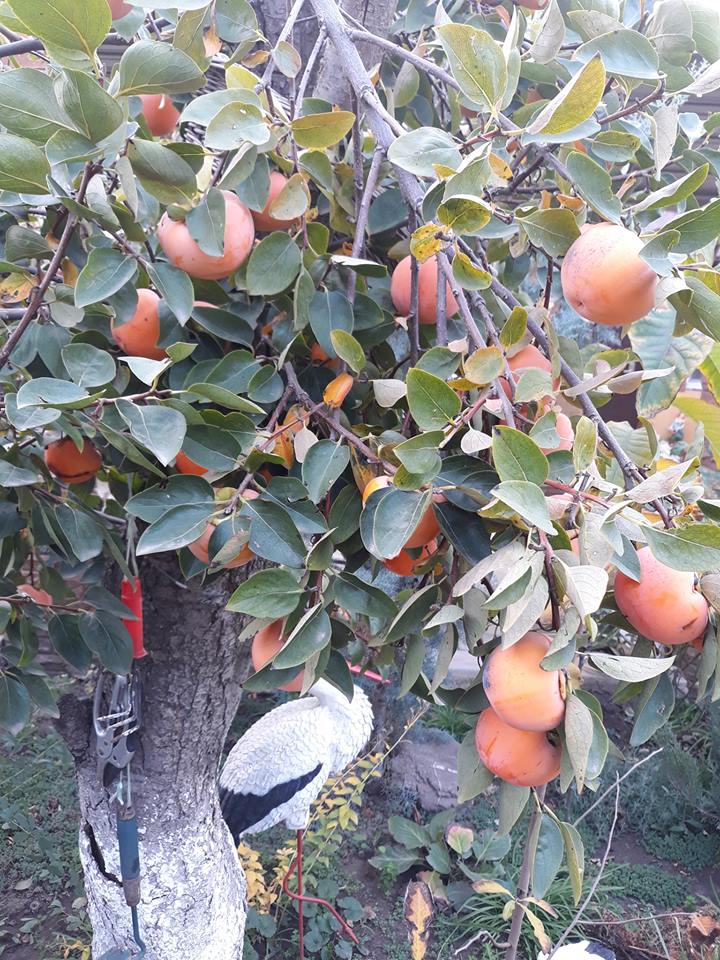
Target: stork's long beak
369 675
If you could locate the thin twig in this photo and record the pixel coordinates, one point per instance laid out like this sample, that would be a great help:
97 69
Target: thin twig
598 877
606 793
36 297
523 884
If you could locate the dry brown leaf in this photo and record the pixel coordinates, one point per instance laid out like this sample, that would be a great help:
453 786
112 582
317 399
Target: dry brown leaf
418 916
212 42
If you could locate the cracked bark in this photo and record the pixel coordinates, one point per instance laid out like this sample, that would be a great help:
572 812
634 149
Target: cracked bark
193 889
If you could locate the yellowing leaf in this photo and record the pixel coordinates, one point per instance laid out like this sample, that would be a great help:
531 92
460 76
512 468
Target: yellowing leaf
15 287
425 242
499 167
418 916
320 130
577 101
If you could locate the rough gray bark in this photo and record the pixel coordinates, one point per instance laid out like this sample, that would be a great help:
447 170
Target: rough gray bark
330 82
193 889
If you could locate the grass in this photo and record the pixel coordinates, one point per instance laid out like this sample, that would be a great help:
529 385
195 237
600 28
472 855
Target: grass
43 903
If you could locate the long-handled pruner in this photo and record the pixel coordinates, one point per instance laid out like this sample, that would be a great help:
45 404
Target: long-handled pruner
116 721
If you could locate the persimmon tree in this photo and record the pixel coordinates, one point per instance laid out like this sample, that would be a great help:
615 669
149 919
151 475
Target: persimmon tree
227 334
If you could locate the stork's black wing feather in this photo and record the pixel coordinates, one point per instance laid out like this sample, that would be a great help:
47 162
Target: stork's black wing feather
243 810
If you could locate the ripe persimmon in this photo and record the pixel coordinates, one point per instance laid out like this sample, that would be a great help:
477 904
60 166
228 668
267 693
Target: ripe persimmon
264 223
119 9
41 597
664 605
266 643
520 692
564 429
161 114
182 251
603 277
405 564
139 336
183 464
525 758
427 290
69 464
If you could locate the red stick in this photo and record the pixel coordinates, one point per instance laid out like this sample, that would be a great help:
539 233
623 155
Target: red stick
131 596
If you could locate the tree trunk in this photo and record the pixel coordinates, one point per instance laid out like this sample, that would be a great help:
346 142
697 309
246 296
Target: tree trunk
330 82
193 888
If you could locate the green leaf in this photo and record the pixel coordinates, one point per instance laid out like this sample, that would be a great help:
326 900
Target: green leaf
67 641
584 444
206 223
153 502
517 457
224 397
311 635
65 23
323 464
158 428
654 710
594 185
552 230
575 858
273 535
108 638
236 123
348 349
162 172
41 694
356 596
476 61
14 704
81 531
273 265
93 111
548 856
408 833
631 669
175 289
675 191
23 166
420 454
578 736
107 270
177 527
412 613
389 519
624 52
694 548
318 131
708 415
473 776
512 801
55 392
87 365
420 150
527 500
432 402
330 310
148 66
236 21
466 532
575 103
696 227
14 476
267 593
28 105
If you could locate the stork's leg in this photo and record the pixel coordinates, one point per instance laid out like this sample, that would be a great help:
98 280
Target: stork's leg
300 898
300 903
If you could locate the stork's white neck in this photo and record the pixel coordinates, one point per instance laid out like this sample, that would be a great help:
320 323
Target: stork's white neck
352 720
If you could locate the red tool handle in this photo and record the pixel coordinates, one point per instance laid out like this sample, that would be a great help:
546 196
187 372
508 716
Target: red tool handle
131 596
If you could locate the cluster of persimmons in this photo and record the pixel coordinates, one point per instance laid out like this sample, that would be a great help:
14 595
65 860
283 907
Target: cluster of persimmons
605 281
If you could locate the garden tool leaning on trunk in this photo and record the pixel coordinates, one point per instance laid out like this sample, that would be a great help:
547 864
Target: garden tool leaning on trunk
117 711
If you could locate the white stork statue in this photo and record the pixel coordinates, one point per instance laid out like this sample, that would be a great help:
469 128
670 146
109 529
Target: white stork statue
278 768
